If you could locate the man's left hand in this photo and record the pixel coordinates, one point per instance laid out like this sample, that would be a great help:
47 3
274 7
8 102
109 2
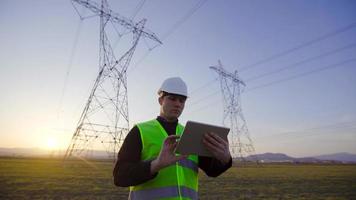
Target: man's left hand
217 146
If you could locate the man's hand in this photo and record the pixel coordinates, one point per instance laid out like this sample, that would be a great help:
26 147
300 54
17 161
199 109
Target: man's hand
167 156
217 146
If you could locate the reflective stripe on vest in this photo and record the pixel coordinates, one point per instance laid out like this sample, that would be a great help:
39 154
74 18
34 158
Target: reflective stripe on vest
164 192
188 164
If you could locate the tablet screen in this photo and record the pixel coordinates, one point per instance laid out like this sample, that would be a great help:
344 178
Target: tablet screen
191 139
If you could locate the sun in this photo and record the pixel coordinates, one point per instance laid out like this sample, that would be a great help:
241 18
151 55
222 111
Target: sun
52 143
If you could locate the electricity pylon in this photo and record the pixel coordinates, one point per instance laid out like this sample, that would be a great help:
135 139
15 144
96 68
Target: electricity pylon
231 85
104 122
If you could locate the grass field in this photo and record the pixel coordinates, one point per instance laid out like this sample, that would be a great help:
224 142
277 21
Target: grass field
51 179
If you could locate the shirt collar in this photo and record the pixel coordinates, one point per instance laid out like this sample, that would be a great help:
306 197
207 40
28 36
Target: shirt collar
162 120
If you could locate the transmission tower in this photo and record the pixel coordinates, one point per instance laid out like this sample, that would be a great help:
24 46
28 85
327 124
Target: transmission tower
240 143
104 122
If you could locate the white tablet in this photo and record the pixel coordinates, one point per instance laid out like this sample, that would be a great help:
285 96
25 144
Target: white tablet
191 139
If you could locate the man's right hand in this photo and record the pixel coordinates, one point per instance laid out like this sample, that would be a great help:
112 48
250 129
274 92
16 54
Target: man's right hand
167 156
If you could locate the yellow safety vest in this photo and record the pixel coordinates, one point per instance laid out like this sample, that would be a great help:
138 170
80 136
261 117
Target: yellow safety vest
177 181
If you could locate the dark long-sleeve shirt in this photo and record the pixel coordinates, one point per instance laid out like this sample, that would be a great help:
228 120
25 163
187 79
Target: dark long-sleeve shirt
130 170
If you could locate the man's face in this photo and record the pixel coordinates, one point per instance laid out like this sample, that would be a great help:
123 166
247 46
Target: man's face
171 106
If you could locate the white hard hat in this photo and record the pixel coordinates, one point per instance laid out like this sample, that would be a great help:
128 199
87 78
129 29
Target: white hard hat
174 85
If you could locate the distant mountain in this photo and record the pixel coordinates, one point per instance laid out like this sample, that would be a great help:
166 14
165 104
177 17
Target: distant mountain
342 157
271 157
308 160
265 157
280 157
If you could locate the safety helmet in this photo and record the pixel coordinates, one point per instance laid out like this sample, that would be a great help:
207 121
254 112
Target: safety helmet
174 85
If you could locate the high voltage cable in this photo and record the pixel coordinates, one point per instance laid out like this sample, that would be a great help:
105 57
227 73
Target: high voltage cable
183 19
307 134
274 82
172 29
71 57
280 54
279 81
70 64
80 15
329 127
304 74
203 98
278 70
301 62
203 86
76 10
288 51
137 64
308 43
203 107
137 9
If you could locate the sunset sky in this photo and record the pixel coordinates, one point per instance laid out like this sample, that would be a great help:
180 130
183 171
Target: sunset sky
297 57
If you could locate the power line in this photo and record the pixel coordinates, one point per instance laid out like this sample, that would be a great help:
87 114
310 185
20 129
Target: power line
70 64
304 74
276 82
203 86
308 43
328 126
203 107
137 9
279 70
302 62
82 17
305 44
137 64
307 134
205 97
348 130
172 29
183 19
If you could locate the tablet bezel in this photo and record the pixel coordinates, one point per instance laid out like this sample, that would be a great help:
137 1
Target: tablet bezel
191 142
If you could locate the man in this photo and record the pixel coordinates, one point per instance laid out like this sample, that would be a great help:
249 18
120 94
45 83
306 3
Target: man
147 162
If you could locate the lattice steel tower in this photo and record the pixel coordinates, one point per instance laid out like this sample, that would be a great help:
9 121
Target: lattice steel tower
104 121
231 85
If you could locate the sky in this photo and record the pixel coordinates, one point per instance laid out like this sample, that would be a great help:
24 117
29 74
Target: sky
297 58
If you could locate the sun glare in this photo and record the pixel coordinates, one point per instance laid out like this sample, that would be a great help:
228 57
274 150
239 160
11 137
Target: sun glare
52 143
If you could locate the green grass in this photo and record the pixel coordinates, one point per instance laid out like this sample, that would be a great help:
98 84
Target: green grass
51 179
283 181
